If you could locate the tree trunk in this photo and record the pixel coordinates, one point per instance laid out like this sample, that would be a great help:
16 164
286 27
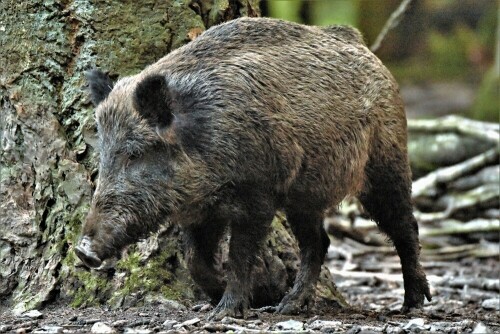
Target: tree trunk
48 159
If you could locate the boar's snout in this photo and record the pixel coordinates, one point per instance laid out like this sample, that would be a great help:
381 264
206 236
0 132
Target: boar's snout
86 254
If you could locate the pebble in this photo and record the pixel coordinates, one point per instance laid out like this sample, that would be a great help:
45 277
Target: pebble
33 314
491 304
190 322
169 324
173 305
5 328
325 324
413 324
392 329
137 331
101 327
481 329
205 308
120 323
49 330
91 321
290 325
371 329
164 303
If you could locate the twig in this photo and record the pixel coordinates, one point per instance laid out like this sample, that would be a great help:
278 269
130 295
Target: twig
447 174
453 123
391 23
484 196
456 227
487 284
396 278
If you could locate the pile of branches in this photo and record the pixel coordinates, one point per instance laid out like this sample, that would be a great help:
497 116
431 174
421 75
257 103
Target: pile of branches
456 192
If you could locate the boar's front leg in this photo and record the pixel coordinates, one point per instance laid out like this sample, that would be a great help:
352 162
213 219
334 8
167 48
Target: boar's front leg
313 243
250 216
202 241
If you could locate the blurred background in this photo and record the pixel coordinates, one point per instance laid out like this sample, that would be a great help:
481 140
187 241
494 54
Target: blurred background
444 53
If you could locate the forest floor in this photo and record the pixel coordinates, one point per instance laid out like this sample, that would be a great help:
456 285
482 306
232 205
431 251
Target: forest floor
465 300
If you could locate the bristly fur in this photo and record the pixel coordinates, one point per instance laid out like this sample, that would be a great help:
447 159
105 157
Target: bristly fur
153 101
252 116
100 85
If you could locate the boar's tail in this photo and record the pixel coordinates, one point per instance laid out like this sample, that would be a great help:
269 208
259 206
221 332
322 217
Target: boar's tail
348 33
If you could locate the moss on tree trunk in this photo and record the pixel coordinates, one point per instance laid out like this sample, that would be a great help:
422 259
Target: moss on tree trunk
48 159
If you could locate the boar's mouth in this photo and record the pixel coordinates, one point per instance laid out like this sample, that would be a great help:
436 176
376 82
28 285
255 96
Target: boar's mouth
86 254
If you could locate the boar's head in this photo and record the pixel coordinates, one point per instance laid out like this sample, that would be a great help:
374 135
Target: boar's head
134 191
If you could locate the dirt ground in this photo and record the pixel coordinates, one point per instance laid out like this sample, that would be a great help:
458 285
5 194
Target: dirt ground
465 300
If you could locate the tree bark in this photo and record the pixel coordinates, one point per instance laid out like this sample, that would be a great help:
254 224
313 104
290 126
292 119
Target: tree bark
48 159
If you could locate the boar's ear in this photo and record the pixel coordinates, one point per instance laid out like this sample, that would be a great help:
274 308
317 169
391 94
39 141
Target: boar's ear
100 85
152 100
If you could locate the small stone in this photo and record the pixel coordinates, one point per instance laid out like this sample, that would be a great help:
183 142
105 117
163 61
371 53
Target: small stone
370 330
414 324
481 329
120 323
190 322
325 324
491 304
5 328
290 325
205 308
143 315
164 303
90 321
21 330
436 328
169 324
137 331
33 314
101 327
73 318
390 329
49 330
197 307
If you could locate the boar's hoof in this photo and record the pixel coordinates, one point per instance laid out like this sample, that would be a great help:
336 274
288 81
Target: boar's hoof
416 293
85 253
292 305
228 307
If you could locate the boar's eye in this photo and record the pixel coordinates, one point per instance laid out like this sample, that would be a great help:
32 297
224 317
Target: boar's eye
133 157
126 158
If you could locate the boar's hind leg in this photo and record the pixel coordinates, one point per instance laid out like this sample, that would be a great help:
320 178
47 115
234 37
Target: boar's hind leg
387 198
250 219
313 243
202 241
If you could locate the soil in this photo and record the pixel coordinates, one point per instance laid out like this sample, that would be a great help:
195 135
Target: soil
375 304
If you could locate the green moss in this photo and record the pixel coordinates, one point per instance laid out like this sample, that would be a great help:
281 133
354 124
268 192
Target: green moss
91 291
152 276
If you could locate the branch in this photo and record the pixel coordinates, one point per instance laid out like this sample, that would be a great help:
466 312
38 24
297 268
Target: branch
447 174
452 123
391 23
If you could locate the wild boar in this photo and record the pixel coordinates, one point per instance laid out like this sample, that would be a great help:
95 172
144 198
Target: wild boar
253 116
